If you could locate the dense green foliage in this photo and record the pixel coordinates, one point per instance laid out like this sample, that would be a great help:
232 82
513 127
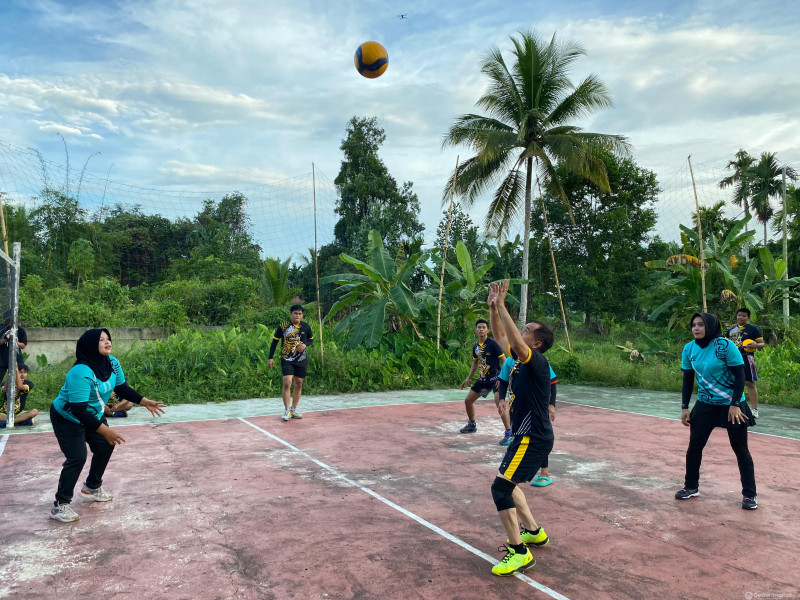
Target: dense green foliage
195 367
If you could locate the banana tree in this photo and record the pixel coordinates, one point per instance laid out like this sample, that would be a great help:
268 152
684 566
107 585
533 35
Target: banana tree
773 285
714 248
378 298
464 295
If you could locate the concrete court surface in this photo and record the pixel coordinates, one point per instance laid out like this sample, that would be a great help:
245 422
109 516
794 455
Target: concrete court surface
377 496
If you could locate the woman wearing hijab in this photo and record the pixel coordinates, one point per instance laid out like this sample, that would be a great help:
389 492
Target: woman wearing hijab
720 383
77 418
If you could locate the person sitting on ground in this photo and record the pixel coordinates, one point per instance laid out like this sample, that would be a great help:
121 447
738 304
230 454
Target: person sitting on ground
23 387
117 407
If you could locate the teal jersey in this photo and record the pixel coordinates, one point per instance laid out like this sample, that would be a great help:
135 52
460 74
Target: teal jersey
505 372
81 386
711 366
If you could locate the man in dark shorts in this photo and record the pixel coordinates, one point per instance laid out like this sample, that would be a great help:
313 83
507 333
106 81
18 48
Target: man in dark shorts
744 330
294 337
487 359
528 408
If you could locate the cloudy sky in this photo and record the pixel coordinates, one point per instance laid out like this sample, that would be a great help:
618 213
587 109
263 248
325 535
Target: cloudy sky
218 95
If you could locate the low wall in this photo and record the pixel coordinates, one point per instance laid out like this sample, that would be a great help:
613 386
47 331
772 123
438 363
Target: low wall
58 343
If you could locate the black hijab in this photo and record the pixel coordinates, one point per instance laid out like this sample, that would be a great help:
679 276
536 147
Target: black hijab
713 328
87 354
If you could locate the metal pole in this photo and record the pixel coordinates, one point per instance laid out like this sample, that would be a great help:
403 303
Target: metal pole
785 254
444 257
700 237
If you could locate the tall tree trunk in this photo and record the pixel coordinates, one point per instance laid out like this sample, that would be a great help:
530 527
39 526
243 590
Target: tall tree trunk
747 243
526 239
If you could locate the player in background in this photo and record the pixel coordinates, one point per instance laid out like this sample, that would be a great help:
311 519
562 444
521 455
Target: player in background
487 359
744 330
294 338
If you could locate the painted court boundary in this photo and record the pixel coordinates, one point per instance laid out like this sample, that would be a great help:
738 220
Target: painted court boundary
448 536
628 412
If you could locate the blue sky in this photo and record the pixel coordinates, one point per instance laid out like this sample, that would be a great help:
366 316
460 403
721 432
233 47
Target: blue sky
212 95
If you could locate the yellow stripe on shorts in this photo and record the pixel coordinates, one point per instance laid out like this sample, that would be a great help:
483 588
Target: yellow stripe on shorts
523 447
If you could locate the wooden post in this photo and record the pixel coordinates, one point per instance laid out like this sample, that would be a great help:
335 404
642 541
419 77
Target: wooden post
555 269
700 237
785 254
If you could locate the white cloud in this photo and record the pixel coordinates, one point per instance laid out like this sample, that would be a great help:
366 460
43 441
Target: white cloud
214 173
220 92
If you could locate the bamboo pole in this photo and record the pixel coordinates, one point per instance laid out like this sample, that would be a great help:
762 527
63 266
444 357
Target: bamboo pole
5 235
785 254
555 268
316 266
700 237
444 257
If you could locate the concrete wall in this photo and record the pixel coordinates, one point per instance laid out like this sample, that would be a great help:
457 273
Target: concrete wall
58 343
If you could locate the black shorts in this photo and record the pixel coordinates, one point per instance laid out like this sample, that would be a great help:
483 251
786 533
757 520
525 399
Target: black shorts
523 459
291 367
482 387
750 372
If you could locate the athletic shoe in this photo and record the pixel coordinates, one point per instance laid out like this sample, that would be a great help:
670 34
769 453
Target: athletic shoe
534 538
63 513
685 493
120 414
507 438
294 414
26 422
749 503
470 427
98 495
286 415
513 562
755 412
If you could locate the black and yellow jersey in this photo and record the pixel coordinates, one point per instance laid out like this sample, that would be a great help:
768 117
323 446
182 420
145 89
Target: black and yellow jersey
291 336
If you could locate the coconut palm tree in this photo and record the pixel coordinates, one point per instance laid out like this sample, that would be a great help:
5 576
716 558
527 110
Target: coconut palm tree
528 131
765 180
741 189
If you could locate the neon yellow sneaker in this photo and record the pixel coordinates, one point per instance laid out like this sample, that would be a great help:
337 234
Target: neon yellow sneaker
513 562
534 538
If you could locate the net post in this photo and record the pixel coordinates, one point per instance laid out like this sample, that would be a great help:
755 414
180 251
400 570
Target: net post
316 267
699 236
11 386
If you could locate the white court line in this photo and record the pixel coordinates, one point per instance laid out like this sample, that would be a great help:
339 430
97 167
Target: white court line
3 441
629 412
418 519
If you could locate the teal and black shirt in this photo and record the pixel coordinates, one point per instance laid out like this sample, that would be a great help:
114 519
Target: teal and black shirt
83 396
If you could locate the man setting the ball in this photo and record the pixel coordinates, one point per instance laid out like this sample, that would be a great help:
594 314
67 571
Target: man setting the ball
744 331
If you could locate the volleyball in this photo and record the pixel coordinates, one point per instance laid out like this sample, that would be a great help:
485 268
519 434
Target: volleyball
371 60
747 346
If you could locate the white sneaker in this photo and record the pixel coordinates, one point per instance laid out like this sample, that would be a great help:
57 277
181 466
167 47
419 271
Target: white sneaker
98 495
294 414
755 412
63 513
286 415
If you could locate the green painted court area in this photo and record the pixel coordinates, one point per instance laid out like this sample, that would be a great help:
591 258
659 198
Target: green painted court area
774 420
